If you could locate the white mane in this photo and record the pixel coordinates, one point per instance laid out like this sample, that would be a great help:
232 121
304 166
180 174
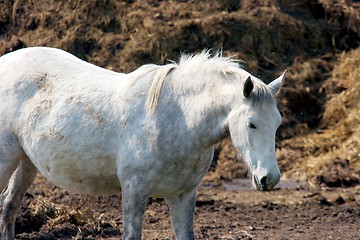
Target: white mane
205 62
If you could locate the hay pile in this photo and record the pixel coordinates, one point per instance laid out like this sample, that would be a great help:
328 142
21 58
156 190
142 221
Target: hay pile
331 154
59 221
122 35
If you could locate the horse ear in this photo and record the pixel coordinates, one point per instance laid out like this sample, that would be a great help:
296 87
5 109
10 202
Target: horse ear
248 87
276 84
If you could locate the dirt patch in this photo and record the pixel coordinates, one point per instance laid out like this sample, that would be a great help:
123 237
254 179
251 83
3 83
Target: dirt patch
223 211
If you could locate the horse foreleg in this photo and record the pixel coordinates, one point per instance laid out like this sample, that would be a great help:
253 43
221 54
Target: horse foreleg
182 209
11 198
134 199
10 156
6 170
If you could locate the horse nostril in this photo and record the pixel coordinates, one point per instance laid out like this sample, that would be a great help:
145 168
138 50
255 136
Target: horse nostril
263 182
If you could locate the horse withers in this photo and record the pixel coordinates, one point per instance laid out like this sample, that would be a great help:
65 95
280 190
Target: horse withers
149 133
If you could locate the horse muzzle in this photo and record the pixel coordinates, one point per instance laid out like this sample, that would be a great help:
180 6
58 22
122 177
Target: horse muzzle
265 182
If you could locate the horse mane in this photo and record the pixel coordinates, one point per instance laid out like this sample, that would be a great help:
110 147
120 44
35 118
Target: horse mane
206 62
156 86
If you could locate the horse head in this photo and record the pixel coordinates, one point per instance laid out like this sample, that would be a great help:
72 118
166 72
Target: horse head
253 125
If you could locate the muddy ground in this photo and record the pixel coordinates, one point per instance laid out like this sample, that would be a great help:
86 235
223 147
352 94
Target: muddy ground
318 144
226 210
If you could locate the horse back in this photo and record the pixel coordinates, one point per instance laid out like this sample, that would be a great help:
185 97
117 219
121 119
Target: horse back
48 73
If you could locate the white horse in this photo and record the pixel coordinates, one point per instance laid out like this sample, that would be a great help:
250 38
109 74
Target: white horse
147 133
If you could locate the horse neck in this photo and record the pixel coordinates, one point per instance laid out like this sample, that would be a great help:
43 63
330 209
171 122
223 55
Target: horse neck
205 104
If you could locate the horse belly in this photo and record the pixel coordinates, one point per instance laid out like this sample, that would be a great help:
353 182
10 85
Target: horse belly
77 156
92 176
71 141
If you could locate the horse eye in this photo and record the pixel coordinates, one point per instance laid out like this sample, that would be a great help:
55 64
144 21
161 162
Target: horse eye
251 125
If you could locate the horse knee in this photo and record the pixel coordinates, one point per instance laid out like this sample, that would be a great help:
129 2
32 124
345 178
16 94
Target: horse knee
11 198
9 211
7 219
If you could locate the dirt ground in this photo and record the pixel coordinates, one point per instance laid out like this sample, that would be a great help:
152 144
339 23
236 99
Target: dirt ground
226 210
318 144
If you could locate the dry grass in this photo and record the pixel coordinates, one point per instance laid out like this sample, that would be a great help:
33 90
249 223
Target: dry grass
334 149
40 212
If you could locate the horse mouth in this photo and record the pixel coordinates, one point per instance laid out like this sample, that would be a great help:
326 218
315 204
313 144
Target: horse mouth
261 185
